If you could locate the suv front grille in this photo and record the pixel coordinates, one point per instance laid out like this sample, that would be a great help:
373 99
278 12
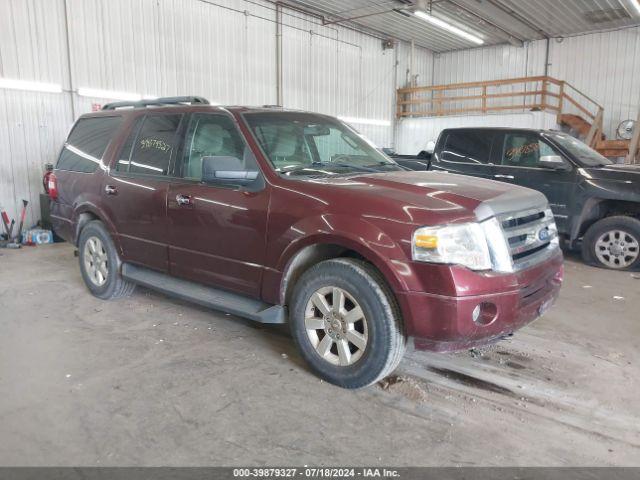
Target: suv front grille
531 236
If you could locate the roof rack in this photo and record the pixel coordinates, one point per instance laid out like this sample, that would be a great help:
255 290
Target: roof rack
158 102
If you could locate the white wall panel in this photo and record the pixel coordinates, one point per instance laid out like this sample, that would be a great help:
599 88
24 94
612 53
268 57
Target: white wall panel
422 65
175 47
606 67
32 125
339 72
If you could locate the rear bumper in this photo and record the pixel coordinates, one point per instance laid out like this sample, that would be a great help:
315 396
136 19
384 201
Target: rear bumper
444 323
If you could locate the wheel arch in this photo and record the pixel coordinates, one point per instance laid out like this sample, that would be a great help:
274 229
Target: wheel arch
596 209
87 212
304 254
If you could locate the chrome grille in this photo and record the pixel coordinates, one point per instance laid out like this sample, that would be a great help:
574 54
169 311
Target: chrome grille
531 236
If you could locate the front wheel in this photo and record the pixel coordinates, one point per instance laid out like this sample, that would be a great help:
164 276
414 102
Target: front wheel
346 323
613 242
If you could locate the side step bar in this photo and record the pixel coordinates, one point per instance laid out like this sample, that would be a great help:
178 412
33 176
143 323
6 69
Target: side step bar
206 296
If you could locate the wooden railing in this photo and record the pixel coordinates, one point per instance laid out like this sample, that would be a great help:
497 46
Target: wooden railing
513 94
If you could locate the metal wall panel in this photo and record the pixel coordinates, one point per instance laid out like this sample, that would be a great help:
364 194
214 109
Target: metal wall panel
422 65
32 124
605 66
170 47
340 72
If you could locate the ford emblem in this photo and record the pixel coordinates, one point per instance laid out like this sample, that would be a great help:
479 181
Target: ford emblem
543 234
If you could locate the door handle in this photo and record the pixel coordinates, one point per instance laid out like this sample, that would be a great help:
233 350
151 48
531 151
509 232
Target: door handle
184 199
110 190
510 177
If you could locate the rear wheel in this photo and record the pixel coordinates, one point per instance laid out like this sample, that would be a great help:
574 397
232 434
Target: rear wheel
613 242
346 323
100 264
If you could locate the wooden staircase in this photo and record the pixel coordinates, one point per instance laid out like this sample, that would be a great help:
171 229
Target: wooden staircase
593 136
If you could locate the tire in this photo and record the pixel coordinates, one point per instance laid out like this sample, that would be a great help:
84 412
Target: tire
325 338
614 243
96 248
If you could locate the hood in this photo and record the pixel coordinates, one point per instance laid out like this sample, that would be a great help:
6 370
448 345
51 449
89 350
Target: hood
448 196
617 172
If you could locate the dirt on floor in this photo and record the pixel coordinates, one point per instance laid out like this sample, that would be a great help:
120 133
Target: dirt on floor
151 380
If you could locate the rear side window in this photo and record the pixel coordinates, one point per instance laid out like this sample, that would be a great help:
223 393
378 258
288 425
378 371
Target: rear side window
151 147
468 147
87 143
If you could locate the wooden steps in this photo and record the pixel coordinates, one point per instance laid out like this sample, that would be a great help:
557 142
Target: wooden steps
575 122
613 148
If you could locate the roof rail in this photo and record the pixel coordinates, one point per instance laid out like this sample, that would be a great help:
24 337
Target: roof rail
157 102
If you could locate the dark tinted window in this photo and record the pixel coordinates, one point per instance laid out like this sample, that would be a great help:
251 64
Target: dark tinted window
155 145
87 143
468 147
214 136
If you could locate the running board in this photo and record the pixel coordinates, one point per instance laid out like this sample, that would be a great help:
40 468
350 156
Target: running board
206 296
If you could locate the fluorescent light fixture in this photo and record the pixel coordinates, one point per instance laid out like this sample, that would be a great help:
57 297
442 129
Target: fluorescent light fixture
32 86
109 94
636 3
447 26
366 121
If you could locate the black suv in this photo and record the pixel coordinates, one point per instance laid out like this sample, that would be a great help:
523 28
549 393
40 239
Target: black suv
596 202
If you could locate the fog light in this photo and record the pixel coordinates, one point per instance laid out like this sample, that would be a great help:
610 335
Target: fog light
484 314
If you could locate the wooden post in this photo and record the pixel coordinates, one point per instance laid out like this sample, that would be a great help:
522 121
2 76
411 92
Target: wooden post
596 129
560 101
484 99
543 100
634 145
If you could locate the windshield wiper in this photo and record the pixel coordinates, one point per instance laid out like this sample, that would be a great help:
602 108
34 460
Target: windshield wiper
360 167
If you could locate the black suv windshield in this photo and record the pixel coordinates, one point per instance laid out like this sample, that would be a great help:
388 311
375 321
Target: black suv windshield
315 145
582 152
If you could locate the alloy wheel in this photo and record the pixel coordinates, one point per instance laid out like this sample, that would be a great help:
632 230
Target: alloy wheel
96 261
617 249
336 326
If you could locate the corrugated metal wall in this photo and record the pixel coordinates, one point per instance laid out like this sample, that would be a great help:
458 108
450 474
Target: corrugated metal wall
32 125
224 50
605 66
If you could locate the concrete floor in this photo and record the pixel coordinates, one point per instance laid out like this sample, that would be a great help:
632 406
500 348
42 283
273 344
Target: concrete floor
150 380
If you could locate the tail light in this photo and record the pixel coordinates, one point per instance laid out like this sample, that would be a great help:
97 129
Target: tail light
51 185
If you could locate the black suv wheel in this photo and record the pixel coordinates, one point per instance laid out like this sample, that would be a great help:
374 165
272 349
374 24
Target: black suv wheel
346 323
100 264
613 242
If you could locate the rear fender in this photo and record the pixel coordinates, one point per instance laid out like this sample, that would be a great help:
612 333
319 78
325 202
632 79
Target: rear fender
82 214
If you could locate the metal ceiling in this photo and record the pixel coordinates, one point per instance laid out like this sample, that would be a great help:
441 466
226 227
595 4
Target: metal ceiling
495 21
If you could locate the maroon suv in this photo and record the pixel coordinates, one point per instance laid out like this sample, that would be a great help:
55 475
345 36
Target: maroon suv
280 215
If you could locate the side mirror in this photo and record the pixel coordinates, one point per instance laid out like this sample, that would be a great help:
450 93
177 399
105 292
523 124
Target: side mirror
431 146
553 162
221 169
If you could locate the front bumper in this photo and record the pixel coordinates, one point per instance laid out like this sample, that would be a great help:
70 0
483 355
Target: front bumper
444 323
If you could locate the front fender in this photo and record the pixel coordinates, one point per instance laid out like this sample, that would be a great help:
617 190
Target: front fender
352 233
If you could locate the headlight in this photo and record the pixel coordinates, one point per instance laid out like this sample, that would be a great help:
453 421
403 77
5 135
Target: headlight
464 244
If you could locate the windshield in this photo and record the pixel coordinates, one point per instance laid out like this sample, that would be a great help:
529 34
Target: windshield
582 152
315 145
